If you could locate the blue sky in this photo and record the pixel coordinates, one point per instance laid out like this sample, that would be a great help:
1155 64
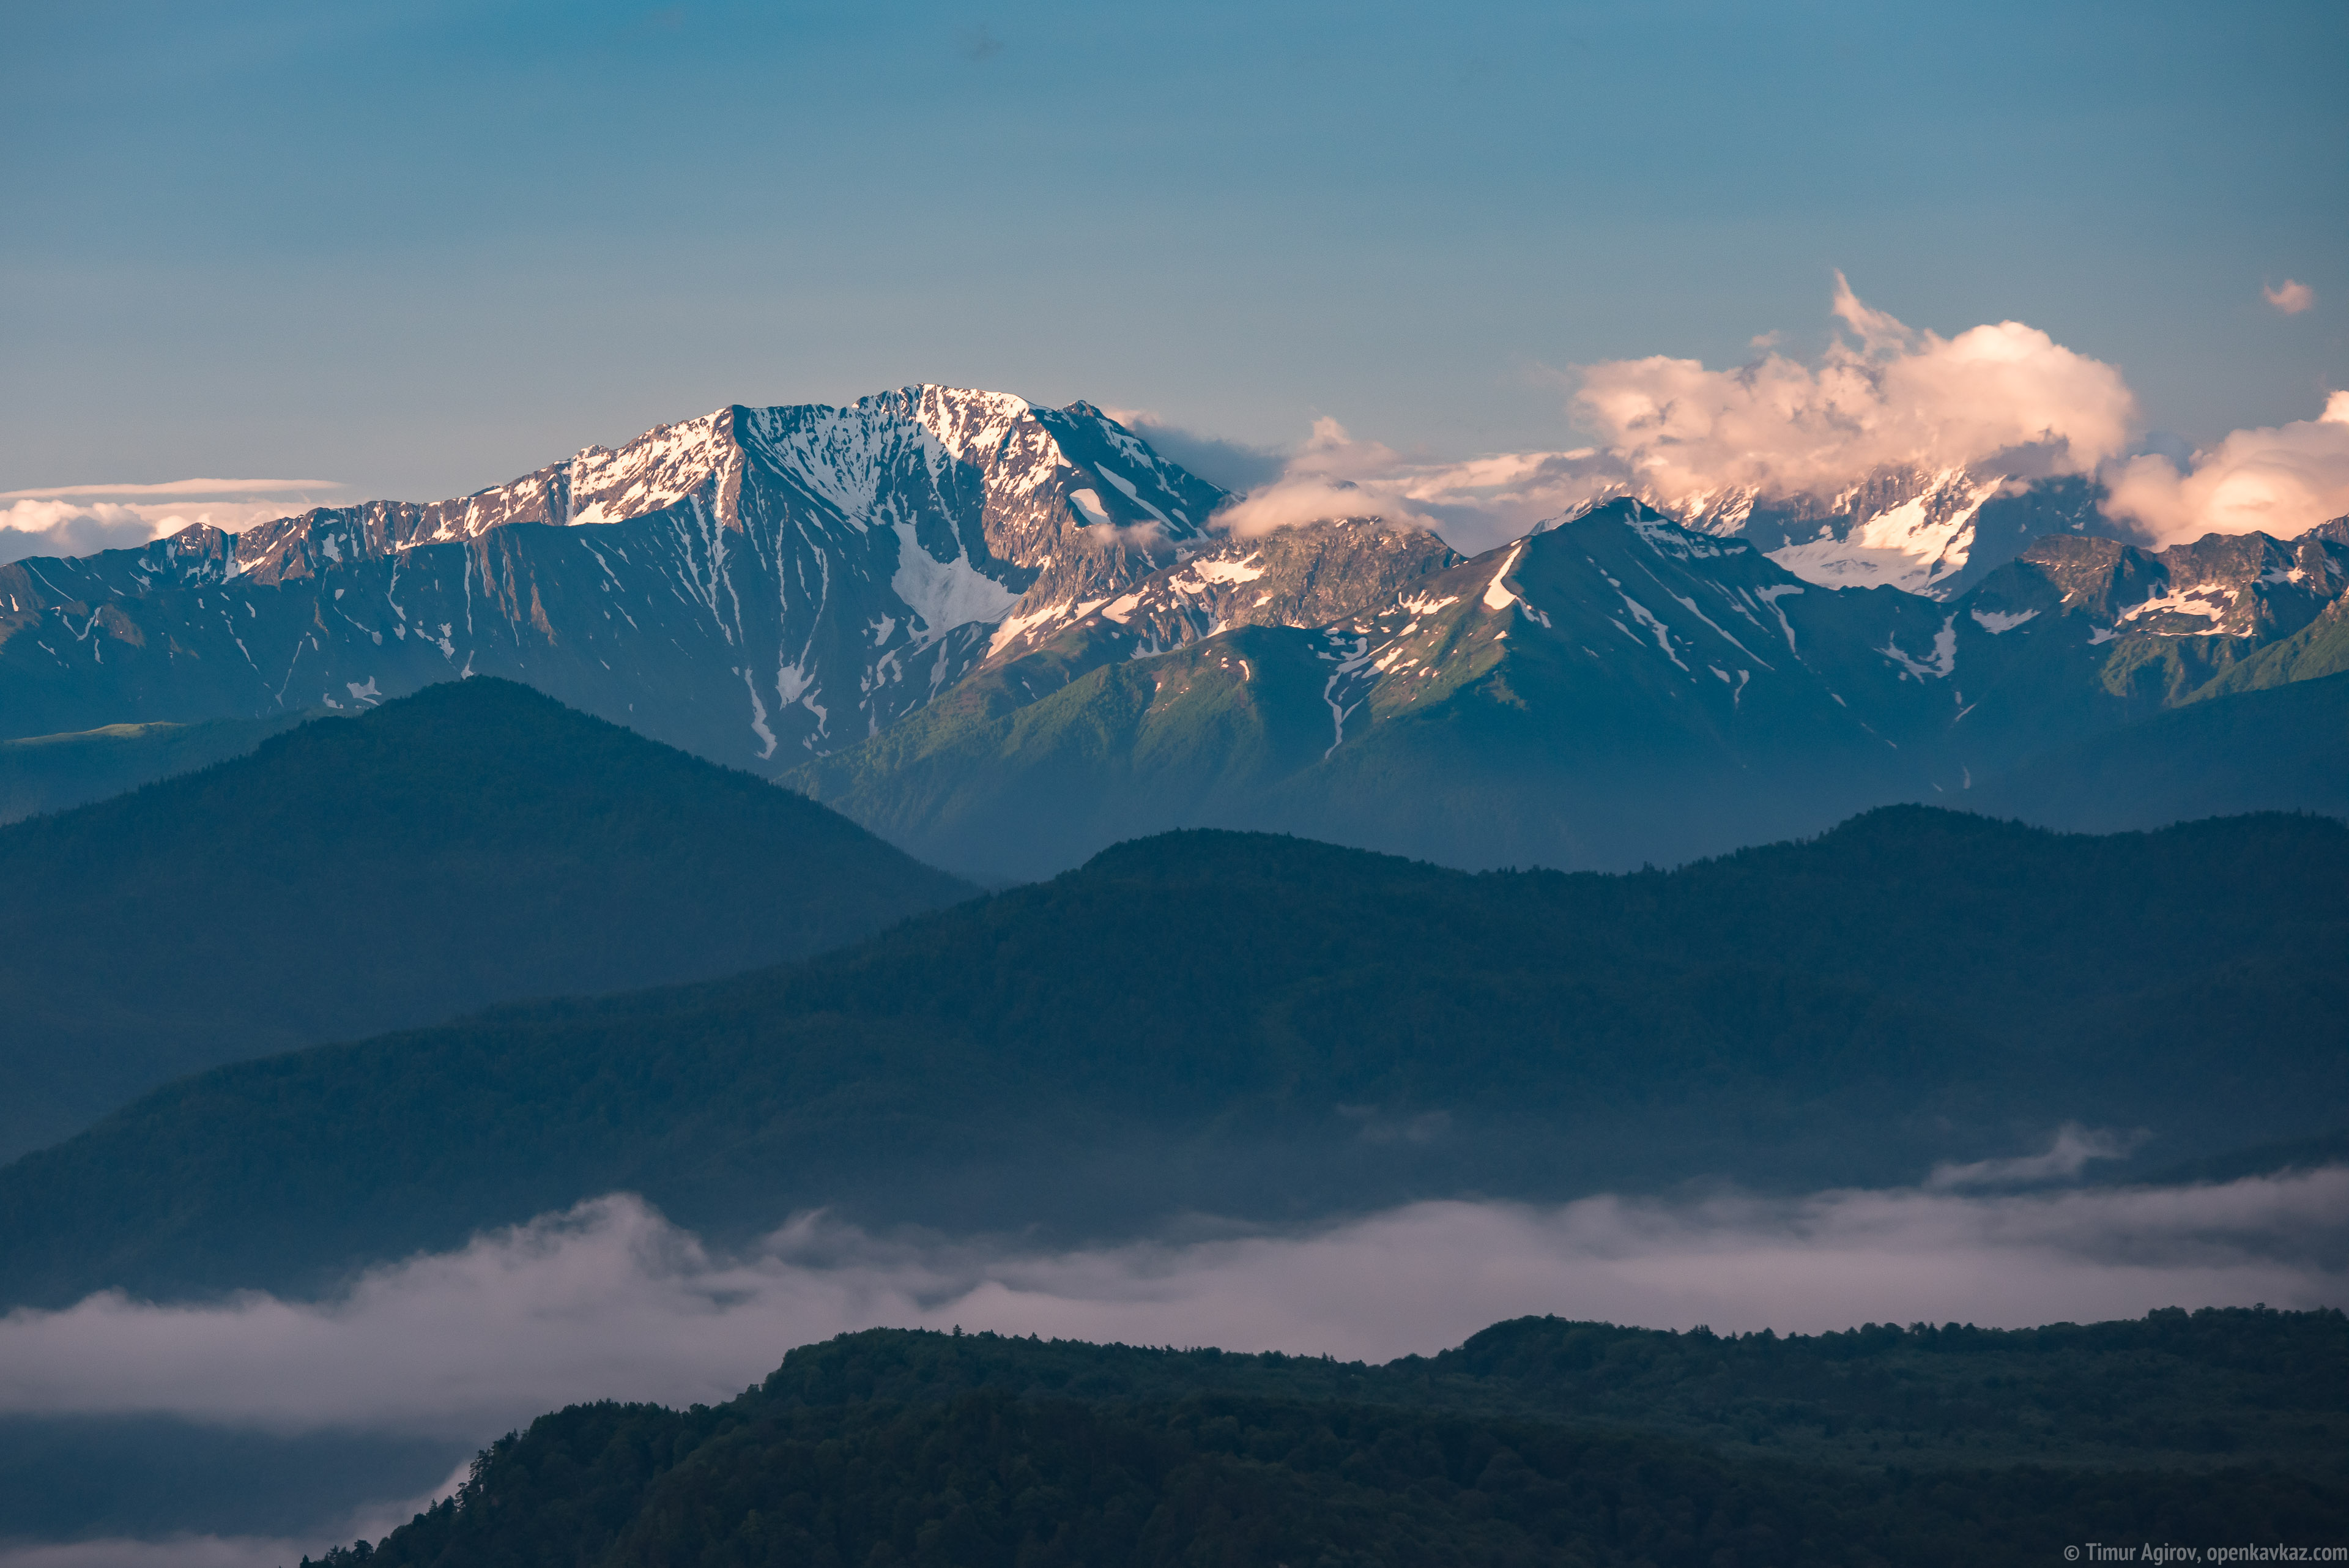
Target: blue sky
423 247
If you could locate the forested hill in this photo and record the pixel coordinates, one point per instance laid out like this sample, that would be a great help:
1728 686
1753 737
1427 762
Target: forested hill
474 843
1537 1441
1272 1028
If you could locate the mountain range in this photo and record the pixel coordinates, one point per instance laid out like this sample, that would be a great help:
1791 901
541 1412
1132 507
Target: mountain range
1277 1031
460 890
1005 636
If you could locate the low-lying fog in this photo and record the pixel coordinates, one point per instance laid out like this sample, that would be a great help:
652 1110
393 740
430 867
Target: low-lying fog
611 1301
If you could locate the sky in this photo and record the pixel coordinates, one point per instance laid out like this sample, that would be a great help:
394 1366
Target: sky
415 249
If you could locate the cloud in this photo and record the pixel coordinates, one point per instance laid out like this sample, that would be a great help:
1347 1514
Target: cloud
70 528
1475 504
1226 464
2064 1159
82 519
2005 395
2289 297
611 1301
2281 481
2005 398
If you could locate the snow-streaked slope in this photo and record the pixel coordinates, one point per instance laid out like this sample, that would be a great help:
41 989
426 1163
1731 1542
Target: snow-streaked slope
1611 689
1935 532
754 584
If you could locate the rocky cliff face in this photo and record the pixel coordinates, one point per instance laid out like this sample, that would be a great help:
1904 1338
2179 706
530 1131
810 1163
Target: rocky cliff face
757 585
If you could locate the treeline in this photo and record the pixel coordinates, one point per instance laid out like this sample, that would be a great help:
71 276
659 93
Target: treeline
903 1448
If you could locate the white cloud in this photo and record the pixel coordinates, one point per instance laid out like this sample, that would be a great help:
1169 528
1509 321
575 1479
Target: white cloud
2006 394
71 528
1999 399
2289 297
1475 504
611 1301
2281 481
82 519
2003 397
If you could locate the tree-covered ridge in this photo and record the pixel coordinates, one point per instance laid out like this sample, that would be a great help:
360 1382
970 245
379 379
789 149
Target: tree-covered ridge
1240 1023
891 1446
475 843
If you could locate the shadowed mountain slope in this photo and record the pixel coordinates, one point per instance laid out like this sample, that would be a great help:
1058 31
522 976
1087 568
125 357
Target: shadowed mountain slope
474 843
1611 691
1282 1030
2284 748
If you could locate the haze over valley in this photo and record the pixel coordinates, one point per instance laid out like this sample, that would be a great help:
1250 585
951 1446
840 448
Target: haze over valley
1538 785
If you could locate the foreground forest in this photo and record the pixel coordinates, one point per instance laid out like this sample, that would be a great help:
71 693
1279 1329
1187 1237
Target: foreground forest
1538 1440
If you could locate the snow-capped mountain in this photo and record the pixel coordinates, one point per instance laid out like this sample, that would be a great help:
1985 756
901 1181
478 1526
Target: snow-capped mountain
1610 690
1001 634
1935 532
755 585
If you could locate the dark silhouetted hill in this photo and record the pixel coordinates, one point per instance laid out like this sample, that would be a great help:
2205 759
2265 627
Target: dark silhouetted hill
474 843
1941 1447
1283 1029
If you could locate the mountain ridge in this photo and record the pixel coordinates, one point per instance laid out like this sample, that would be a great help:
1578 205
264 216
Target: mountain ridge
1237 1024
966 619
474 843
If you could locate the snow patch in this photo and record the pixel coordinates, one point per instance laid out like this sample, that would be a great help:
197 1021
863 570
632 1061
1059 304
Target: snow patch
1996 621
1944 659
1498 595
1227 572
944 595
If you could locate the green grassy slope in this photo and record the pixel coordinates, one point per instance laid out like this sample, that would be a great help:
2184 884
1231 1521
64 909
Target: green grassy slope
474 843
1276 1028
1538 1440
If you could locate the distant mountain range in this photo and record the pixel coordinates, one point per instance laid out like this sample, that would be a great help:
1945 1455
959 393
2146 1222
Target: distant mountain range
1004 635
1611 690
1935 532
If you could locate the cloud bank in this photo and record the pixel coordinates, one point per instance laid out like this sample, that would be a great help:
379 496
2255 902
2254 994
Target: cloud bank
83 519
2001 400
2007 395
2281 481
609 1300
